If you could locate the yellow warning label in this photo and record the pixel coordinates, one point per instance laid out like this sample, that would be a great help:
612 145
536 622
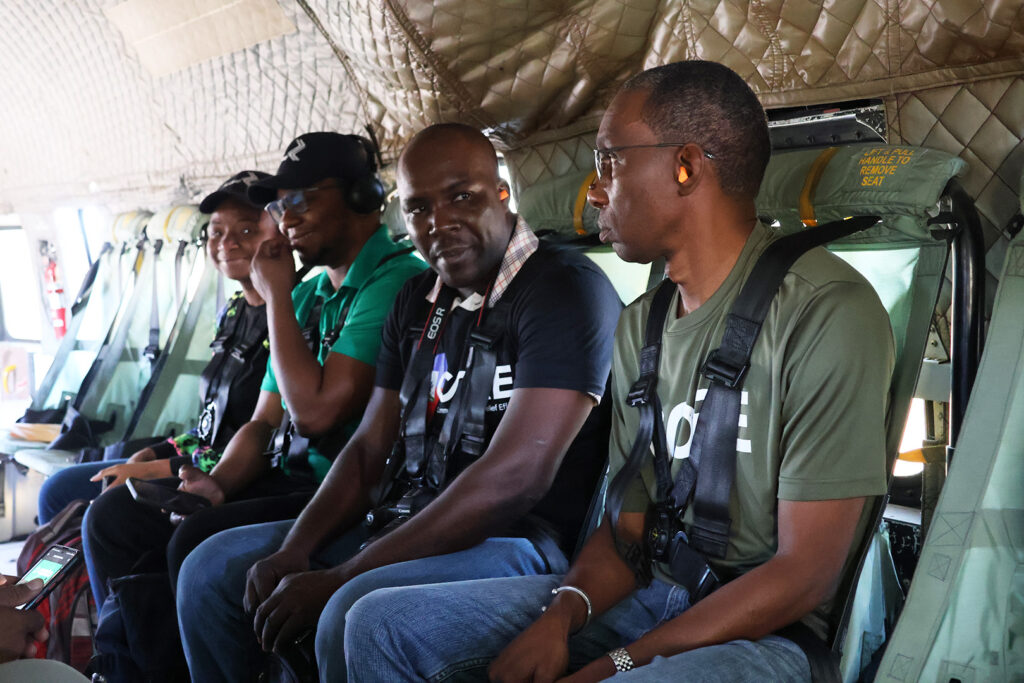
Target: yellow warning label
878 164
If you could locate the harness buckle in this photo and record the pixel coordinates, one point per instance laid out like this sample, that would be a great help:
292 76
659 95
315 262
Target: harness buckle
640 393
717 369
151 352
481 340
239 352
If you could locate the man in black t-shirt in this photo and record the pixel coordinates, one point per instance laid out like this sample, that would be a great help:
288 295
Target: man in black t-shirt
525 325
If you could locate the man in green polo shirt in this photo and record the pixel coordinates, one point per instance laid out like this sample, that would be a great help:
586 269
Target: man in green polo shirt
324 335
326 201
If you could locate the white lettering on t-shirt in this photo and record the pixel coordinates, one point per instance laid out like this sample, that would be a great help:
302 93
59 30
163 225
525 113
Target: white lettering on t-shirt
684 411
501 387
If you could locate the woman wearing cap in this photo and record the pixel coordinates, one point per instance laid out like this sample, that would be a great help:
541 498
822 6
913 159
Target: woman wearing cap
236 229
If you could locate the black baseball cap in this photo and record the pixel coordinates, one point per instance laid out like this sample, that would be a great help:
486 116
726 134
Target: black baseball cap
313 157
236 187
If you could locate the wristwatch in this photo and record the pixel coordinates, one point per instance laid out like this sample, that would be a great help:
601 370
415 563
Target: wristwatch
621 659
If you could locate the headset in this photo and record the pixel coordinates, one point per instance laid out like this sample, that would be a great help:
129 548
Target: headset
366 194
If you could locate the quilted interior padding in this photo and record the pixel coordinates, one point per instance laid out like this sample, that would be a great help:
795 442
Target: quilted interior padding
83 119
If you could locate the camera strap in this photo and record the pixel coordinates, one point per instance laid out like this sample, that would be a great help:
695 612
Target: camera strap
416 385
707 475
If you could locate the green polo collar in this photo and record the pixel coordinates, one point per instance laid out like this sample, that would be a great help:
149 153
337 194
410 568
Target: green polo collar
377 247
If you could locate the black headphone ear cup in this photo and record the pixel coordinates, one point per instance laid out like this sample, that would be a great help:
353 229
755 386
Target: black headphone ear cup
365 195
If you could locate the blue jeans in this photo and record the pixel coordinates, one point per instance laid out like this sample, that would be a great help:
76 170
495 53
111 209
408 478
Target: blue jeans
218 636
69 484
453 632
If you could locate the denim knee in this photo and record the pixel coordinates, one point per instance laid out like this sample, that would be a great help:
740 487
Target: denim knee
204 581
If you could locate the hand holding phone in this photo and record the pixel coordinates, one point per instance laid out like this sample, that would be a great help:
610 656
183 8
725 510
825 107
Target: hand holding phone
165 497
53 567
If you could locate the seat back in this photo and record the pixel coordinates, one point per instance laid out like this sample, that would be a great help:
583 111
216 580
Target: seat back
92 314
965 610
170 401
141 328
906 265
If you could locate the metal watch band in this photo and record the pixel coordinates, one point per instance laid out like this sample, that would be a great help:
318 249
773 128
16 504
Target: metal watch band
621 659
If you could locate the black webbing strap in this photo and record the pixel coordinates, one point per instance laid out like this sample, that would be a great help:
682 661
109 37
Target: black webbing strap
85 291
643 395
710 469
464 427
232 354
152 350
713 450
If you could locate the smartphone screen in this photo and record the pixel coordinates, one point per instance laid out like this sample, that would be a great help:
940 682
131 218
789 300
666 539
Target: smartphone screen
48 568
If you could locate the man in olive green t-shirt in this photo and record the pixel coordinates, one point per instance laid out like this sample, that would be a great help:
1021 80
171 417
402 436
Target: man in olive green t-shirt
681 152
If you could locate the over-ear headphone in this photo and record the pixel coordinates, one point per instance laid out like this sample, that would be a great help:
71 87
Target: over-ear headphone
683 175
503 194
366 194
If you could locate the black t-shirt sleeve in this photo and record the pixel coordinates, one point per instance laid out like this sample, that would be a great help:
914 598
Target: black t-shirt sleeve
565 325
392 358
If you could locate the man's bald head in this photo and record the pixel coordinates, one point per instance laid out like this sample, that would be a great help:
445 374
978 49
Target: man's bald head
452 136
455 205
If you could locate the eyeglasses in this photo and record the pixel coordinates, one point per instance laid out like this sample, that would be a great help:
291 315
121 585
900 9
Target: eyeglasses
603 157
294 201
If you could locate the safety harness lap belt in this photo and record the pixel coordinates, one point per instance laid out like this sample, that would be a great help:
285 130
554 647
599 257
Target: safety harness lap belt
705 478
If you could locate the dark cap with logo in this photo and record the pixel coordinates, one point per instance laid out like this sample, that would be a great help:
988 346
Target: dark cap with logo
313 157
236 187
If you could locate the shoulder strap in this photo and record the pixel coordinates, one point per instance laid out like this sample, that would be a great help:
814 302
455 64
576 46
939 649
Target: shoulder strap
464 429
232 354
643 395
85 291
152 350
712 459
416 382
713 451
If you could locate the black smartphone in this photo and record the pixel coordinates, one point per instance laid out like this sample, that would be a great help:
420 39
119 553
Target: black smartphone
165 497
53 567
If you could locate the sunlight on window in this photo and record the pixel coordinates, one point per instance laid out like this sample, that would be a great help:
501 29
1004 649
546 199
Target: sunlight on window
913 437
18 286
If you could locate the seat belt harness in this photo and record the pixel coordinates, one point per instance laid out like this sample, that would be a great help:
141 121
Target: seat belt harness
704 480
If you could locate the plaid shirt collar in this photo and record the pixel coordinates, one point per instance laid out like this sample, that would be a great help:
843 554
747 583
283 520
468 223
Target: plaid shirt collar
520 247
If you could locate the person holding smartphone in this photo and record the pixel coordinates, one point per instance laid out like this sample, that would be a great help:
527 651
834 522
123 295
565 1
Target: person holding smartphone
19 631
